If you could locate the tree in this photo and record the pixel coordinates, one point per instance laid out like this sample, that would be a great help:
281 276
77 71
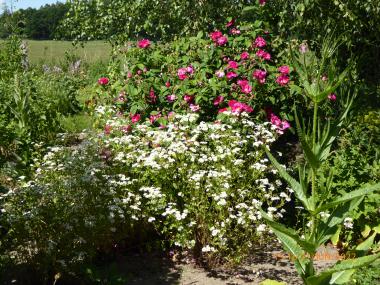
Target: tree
120 20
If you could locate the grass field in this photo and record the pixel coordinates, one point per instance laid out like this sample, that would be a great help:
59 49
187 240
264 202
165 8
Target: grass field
53 52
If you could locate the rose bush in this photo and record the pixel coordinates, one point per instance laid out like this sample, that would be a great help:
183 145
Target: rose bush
238 63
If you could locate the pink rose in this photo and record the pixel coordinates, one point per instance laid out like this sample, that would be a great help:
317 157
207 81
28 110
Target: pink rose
218 100
238 107
260 75
188 98
332 97
153 118
260 42
145 43
167 84
233 64
107 129
129 74
262 2
284 69
231 75
235 32
171 98
222 110
152 96
135 118
103 81
220 73
263 54
230 23
244 55
126 129
282 79
303 48
194 108
182 73
244 86
221 41
215 35
190 69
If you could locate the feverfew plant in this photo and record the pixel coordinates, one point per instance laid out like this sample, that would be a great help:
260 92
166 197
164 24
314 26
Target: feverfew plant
198 185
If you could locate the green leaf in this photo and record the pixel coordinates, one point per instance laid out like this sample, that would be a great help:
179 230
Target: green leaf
342 277
307 246
350 196
335 237
326 277
297 188
309 154
363 248
327 230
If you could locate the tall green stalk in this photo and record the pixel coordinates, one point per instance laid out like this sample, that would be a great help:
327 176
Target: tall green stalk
316 148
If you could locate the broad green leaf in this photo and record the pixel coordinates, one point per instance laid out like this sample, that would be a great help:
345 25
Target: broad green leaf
327 229
296 187
326 277
342 277
309 154
350 196
363 248
365 230
335 237
307 246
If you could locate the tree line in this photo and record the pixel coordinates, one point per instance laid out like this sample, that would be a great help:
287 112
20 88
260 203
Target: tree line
31 23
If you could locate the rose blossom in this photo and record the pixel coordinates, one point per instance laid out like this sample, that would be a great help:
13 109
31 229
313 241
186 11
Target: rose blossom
260 42
129 74
282 79
233 64
221 41
194 108
218 100
220 73
190 69
103 81
263 54
262 2
107 129
152 96
171 98
231 75
244 55
153 118
244 86
332 97
144 43
230 23
182 73
126 129
260 75
238 107
167 84
216 35
188 98
222 110
284 69
235 31
135 118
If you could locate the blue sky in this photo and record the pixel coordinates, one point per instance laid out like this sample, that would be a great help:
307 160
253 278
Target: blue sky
23 4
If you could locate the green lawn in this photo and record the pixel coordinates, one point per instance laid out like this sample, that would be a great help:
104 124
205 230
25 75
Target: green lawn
52 52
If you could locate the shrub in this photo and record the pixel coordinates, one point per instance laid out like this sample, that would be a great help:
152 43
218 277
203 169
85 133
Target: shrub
197 185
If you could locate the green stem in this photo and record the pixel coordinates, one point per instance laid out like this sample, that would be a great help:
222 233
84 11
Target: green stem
313 174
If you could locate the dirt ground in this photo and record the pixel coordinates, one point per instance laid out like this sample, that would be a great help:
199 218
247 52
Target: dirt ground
262 265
